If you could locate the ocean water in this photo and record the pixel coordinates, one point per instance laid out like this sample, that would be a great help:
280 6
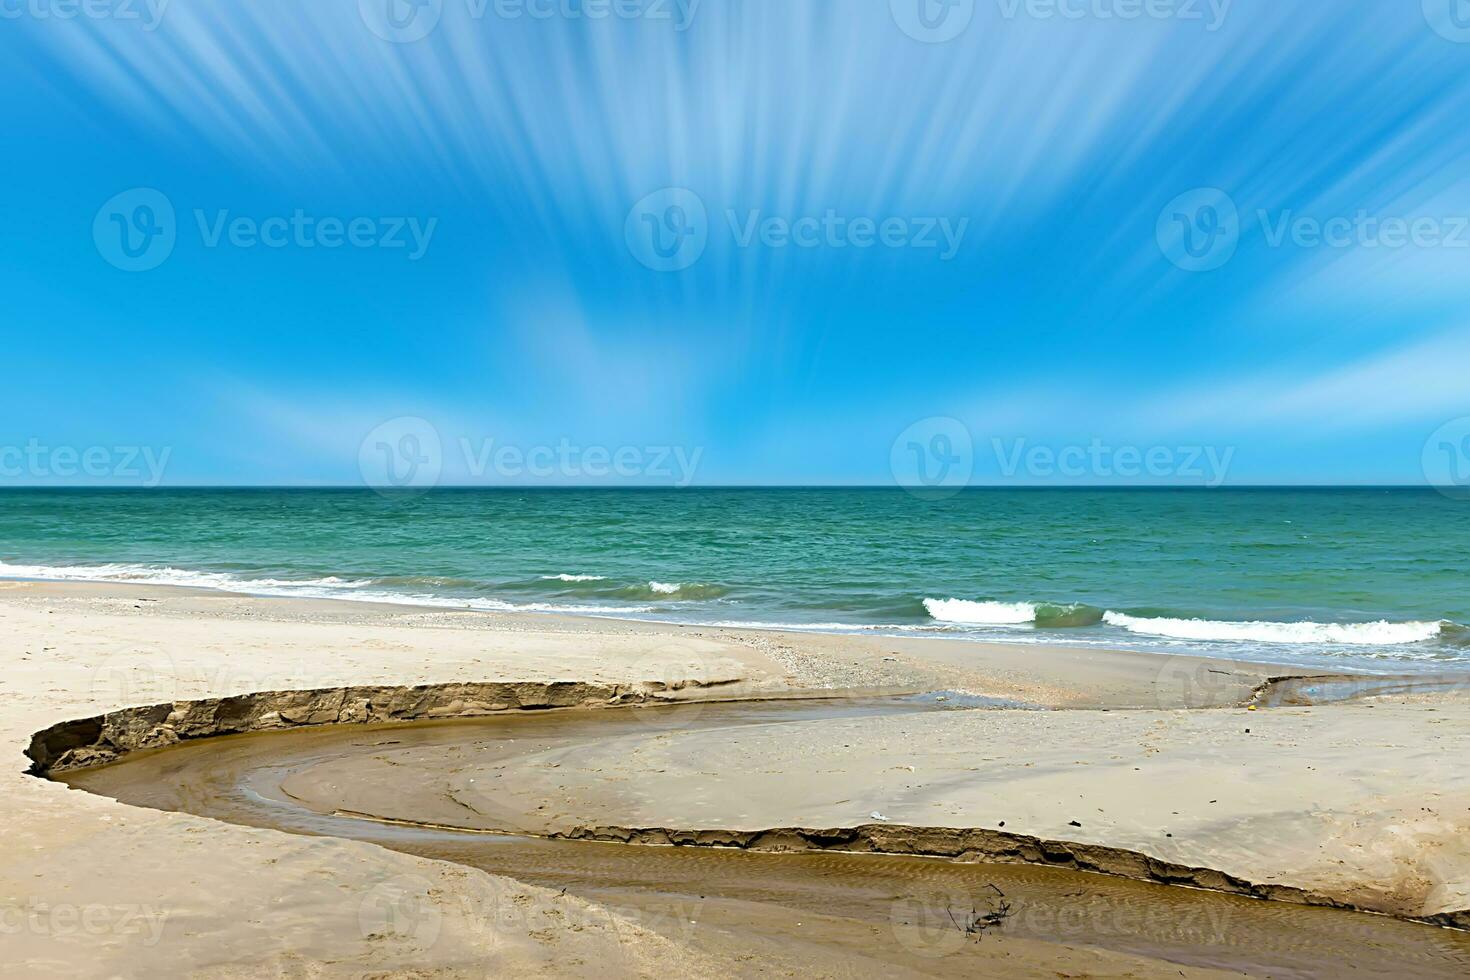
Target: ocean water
1370 578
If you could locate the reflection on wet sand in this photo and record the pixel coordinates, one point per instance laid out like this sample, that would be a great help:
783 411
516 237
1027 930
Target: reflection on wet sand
877 910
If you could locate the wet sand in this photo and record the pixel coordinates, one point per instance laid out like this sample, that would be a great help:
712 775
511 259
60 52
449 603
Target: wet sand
94 887
882 912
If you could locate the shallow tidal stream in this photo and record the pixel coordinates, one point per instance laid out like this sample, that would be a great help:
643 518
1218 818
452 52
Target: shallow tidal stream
884 911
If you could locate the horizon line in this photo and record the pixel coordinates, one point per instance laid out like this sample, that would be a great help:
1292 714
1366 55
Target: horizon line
919 490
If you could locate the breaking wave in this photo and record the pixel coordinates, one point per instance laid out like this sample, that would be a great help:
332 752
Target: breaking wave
1356 634
965 612
597 595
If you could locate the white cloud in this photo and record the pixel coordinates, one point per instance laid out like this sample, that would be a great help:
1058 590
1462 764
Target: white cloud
1425 379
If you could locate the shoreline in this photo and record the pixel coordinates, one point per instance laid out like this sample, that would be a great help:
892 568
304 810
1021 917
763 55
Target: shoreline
74 651
1292 656
1054 674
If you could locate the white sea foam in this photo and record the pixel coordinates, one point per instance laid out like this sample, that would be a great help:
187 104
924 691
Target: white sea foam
166 575
611 612
1380 633
948 615
330 587
754 624
980 613
564 577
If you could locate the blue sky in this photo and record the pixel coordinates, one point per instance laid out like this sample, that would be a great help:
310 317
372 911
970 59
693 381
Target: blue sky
872 225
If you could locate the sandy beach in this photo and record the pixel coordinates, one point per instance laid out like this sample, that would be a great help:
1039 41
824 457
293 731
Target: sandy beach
1155 770
660 489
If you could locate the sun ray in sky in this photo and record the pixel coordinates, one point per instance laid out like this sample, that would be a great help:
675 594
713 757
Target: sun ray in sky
1026 168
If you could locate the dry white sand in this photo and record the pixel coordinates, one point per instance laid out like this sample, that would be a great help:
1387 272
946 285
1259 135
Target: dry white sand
92 888
1365 803
95 888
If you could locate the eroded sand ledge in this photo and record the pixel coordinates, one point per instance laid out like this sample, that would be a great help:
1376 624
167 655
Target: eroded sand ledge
64 650
99 740
106 738
90 887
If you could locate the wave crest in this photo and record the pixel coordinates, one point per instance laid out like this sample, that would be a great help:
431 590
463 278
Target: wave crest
1357 634
674 590
967 612
987 613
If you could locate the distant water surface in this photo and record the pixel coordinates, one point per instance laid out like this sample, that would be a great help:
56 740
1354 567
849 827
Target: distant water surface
1369 578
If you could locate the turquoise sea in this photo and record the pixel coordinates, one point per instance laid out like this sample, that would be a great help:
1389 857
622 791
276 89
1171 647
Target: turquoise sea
1367 578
